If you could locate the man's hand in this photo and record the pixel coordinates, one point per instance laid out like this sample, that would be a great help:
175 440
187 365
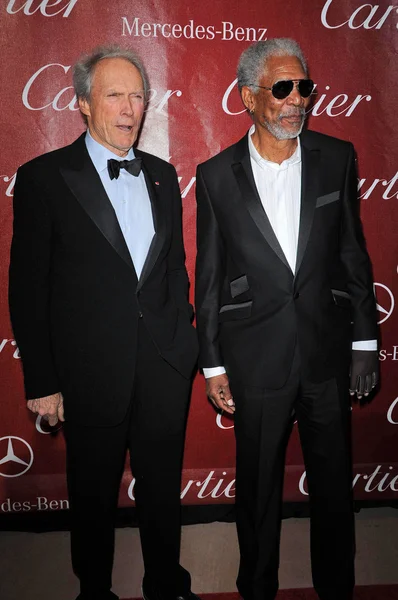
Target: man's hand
364 375
50 408
217 388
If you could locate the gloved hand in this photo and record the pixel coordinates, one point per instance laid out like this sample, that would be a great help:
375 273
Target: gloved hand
364 373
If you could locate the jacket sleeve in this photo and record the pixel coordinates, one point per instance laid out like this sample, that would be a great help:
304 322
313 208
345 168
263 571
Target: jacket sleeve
210 268
177 273
355 259
29 285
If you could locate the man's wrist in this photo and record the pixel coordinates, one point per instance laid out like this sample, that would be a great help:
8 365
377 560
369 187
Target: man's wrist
213 371
369 345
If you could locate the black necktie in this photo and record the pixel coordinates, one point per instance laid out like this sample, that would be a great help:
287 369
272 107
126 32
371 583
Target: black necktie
132 166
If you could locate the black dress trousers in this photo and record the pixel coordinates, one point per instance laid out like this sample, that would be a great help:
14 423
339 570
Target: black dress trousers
263 423
153 431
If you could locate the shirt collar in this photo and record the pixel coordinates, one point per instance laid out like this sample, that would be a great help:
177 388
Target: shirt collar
294 159
100 155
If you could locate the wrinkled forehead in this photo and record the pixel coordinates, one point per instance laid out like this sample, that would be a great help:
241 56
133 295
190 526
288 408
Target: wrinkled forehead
277 68
115 71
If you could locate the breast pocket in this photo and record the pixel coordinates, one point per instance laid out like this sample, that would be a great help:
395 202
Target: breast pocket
239 286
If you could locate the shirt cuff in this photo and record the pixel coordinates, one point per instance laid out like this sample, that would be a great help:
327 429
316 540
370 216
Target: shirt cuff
370 345
213 371
365 345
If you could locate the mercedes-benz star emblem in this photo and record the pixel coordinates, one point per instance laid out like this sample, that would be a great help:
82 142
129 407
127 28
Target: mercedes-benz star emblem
17 456
385 301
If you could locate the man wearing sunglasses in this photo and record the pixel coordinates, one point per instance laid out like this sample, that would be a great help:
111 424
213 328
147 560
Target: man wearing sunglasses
286 316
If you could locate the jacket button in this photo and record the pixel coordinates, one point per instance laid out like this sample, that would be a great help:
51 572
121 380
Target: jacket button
296 295
140 314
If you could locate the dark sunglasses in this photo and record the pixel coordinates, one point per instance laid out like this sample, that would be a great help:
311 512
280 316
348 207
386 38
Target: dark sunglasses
282 89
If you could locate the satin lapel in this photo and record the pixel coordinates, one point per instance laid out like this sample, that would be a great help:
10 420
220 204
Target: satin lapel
244 176
309 192
84 182
159 222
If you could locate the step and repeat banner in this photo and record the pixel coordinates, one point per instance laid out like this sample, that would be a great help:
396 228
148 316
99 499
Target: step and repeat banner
191 50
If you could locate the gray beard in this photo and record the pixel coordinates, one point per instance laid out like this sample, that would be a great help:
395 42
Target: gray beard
280 133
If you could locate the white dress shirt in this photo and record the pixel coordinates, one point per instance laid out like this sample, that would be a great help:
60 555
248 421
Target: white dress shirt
279 188
130 200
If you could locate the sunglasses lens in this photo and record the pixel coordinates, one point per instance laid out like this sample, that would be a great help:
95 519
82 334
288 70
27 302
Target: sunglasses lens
305 87
281 89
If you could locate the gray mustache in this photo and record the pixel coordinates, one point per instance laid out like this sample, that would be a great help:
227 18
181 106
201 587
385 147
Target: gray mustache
300 112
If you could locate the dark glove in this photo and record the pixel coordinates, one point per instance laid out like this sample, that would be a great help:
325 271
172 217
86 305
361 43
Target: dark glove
364 375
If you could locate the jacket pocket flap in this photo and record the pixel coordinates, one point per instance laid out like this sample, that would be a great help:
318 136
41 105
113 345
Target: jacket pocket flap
327 199
341 298
232 312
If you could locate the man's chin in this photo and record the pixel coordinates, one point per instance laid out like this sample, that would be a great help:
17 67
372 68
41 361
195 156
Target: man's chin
124 142
121 149
286 132
126 145
293 132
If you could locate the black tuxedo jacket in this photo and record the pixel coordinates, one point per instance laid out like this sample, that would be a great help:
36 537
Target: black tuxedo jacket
75 299
251 309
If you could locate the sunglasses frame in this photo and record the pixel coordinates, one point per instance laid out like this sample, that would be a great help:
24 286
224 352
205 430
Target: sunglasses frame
294 82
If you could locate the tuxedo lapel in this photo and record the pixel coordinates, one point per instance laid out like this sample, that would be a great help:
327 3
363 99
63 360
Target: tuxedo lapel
83 180
244 175
159 221
309 190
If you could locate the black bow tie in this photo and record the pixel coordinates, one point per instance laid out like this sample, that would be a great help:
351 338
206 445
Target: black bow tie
132 166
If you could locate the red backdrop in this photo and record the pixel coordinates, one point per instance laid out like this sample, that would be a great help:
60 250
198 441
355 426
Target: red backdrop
191 51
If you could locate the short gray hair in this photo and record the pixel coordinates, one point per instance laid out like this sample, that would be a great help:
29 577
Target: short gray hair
83 70
252 61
